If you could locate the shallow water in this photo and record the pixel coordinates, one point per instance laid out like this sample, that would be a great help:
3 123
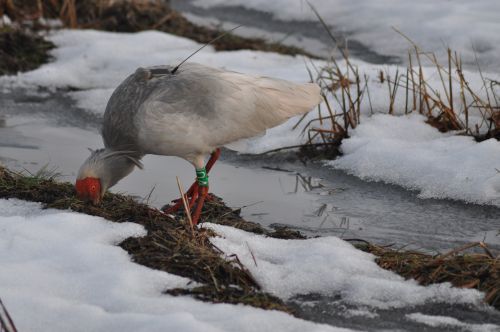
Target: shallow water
46 130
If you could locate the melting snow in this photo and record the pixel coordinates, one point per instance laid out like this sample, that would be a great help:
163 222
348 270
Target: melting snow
62 271
406 151
329 265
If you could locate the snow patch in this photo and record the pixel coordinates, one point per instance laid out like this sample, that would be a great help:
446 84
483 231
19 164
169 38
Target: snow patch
62 271
408 152
329 265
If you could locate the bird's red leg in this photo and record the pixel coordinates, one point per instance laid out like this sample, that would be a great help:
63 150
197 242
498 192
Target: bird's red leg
202 180
213 158
194 195
203 192
193 191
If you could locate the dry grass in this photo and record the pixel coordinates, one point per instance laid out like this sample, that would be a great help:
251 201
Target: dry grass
480 271
21 51
344 88
6 322
439 104
470 112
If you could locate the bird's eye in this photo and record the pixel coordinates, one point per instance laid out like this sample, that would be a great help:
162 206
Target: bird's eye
92 188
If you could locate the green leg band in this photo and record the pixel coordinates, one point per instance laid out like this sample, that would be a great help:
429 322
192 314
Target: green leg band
202 177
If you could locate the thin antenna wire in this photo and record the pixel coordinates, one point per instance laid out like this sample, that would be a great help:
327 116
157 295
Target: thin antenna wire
210 42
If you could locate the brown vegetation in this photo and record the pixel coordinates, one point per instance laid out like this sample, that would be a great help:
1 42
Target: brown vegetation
21 51
479 271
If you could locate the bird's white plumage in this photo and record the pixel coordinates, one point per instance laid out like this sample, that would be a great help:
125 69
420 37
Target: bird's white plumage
189 114
237 106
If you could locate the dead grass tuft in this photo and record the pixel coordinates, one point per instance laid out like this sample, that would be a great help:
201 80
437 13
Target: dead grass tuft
21 51
462 269
470 111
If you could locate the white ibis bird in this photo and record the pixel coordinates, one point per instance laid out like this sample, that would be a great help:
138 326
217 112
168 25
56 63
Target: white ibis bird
188 112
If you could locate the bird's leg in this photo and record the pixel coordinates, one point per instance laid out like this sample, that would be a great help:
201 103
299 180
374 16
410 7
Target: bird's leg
202 185
203 192
193 191
194 195
202 178
213 158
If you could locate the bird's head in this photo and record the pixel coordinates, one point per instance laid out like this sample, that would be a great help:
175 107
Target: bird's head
89 189
102 170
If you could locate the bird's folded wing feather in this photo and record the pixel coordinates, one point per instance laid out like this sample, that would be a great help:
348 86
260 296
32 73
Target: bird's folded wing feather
222 106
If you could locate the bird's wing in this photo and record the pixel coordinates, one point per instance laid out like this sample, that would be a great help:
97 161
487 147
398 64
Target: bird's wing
213 107
261 103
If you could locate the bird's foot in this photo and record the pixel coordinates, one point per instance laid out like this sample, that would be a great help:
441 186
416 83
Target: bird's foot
192 196
196 193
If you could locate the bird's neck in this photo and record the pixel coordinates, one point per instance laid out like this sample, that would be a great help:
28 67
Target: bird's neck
119 164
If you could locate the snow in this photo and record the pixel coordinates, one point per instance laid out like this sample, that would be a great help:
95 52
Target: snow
89 59
62 271
466 26
406 151
449 322
329 265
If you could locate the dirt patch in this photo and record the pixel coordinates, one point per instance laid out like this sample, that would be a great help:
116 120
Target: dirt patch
22 51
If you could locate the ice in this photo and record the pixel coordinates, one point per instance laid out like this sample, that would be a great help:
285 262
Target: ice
330 266
450 322
62 271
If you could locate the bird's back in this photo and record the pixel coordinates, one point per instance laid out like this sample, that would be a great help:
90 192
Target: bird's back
198 108
146 85
118 129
